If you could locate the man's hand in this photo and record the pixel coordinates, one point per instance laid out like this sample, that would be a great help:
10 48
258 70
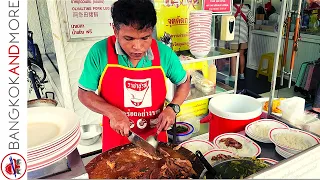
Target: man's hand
165 119
120 123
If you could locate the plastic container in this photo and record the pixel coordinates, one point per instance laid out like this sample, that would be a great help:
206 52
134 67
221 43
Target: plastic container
292 108
231 113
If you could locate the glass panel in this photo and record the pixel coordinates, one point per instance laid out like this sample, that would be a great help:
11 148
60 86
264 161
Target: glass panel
221 58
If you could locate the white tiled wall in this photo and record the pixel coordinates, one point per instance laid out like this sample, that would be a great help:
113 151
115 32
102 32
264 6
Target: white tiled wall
70 58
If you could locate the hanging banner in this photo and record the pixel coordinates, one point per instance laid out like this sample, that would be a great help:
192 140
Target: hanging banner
173 18
89 18
218 6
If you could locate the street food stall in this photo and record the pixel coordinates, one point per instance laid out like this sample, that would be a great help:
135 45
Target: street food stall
218 123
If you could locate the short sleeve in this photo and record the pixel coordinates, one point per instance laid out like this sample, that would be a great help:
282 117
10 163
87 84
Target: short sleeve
90 76
171 65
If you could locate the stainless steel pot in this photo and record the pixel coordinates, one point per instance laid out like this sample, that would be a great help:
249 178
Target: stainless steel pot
43 101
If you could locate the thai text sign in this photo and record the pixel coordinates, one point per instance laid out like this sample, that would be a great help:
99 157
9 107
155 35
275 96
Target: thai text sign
218 6
173 18
89 18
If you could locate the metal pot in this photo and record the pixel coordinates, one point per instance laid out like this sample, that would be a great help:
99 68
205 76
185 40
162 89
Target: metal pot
105 156
43 101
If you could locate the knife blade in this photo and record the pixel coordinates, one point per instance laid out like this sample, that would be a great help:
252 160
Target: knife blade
140 142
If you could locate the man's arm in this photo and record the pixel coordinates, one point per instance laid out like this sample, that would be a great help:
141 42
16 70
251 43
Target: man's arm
118 120
182 92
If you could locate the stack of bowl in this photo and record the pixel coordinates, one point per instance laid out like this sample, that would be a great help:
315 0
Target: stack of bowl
200 32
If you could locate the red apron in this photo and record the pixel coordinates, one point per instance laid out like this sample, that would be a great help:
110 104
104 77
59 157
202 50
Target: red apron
139 92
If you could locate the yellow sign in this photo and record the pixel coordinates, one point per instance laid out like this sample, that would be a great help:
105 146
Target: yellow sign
173 18
192 110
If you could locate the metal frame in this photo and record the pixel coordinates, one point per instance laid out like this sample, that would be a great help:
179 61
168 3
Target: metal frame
276 55
74 162
210 58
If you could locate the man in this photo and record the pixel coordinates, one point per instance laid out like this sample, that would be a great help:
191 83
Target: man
244 18
129 71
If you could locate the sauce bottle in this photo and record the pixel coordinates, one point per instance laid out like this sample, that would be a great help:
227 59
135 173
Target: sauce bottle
212 74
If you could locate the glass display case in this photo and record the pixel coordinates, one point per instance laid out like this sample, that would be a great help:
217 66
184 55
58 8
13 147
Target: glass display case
222 59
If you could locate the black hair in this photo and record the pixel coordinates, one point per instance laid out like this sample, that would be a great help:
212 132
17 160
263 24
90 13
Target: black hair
237 1
139 14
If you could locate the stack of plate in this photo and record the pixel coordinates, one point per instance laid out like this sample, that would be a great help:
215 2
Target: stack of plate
290 145
53 133
283 152
200 32
251 129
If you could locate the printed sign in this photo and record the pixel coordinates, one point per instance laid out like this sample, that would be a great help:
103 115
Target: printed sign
218 6
173 18
89 18
137 93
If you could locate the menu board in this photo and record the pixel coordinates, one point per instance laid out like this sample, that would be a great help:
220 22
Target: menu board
89 18
173 18
304 166
218 6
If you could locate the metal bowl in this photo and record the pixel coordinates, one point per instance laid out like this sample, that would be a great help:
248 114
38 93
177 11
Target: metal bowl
90 134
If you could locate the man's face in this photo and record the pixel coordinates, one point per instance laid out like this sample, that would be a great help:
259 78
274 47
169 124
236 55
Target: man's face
134 42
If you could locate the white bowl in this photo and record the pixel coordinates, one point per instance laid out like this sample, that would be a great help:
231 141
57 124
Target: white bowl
270 123
183 136
307 138
201 54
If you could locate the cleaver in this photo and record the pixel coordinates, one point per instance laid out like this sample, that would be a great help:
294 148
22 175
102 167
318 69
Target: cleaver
140 142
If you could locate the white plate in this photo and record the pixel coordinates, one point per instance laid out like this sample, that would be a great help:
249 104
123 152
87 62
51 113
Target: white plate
56 143
47 125
215 152
253 149
49 151
70 143
270 161
201 145
263 100
307 137
55 158
283 153
271 123
280 153
256 138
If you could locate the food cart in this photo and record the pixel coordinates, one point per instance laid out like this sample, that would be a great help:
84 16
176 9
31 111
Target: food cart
302 165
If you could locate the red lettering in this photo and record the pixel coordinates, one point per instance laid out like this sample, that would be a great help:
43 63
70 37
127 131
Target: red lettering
13 70
15 58
11 51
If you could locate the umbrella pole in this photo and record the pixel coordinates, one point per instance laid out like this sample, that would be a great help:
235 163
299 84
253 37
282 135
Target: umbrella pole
285 49
295 41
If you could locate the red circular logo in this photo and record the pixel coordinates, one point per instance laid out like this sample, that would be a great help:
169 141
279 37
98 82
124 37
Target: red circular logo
13 166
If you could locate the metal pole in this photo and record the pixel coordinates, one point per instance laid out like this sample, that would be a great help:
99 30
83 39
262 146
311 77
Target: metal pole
236 79
276 56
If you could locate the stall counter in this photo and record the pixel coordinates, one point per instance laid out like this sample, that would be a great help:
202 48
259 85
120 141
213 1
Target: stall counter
93 149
